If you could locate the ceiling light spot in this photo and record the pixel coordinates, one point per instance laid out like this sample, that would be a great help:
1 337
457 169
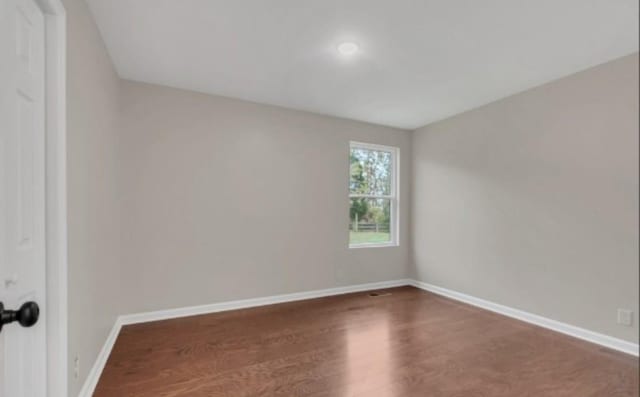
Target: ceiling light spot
348 48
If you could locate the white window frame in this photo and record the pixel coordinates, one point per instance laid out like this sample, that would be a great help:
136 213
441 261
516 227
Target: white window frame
393 197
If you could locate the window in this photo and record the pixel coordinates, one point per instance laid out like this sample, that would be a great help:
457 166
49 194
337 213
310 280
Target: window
373 195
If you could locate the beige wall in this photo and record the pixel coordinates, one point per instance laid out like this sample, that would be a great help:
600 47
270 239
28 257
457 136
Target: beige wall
225 199
93 214
532 201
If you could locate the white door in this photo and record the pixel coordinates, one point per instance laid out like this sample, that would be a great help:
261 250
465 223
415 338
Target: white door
22 200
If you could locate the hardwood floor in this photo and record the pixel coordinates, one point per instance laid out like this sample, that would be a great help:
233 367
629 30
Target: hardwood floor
409 343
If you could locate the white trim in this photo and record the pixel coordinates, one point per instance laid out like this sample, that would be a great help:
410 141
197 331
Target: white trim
373 146
372 245
567 329
56 196
94 375
91 382
394 197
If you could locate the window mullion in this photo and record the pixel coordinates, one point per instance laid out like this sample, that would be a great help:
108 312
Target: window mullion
372 196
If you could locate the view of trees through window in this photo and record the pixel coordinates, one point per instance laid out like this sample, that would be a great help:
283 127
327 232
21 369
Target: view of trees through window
371 191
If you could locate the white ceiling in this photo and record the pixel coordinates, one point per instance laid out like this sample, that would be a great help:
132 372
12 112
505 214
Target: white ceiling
420 60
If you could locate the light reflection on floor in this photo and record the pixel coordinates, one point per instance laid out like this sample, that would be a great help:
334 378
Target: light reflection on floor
369 363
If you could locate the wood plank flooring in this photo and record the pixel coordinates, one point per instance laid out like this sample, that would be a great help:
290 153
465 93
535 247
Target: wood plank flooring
409 343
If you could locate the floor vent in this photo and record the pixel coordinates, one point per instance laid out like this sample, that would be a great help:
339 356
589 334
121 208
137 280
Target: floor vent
378 294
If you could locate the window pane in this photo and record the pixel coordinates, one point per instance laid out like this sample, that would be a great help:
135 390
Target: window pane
369 221
370 172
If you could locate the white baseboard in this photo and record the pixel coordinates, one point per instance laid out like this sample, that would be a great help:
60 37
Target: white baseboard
94 375
91 382
571 330
246 303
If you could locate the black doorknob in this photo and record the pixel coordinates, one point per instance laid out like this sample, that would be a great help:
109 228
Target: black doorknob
27 315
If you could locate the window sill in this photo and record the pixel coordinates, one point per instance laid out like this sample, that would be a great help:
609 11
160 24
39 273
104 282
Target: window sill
374 245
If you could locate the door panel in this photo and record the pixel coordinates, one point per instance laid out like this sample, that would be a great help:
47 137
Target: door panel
22 200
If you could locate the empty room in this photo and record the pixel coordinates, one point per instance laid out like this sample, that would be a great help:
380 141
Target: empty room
319 198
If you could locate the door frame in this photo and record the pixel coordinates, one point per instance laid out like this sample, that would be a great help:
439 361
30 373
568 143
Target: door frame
56 195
